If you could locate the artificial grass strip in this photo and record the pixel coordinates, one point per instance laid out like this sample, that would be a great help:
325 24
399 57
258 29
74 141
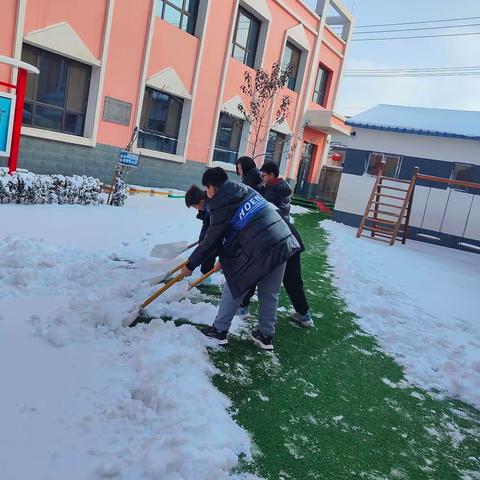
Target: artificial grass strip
329 404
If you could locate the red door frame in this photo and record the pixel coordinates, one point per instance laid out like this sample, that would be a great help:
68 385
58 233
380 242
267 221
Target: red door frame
20 89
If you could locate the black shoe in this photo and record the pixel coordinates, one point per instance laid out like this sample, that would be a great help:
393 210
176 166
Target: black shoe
212 332
265 343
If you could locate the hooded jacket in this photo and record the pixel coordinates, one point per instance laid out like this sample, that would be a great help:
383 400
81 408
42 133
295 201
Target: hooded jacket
253 179
279 194
205 218
251 237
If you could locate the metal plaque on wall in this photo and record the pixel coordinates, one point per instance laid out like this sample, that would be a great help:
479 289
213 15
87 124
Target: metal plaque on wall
117 111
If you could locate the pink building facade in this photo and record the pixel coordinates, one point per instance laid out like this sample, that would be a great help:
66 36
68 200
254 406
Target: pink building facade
173 68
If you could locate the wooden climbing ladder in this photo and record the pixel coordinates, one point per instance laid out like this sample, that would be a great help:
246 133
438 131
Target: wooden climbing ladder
387 214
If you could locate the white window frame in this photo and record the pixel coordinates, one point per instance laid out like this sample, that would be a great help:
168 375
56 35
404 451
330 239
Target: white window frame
302 65
242 148
199 22
452 176
384 157
285 149
263 34
89 133
179 156
97 79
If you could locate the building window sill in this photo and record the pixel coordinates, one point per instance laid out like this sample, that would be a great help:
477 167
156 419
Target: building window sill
226 166
57 136
161 155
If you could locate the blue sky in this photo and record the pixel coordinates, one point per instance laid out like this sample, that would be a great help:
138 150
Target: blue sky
358 94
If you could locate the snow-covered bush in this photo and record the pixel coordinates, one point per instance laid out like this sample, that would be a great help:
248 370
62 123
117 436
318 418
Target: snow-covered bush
29 188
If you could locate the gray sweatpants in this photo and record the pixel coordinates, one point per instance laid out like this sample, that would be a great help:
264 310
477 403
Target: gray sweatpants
268 291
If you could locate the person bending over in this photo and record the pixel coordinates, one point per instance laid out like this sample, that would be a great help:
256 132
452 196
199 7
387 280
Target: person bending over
278 192
197 198
254 244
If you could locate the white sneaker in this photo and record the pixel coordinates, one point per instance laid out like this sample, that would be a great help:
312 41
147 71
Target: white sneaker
302 320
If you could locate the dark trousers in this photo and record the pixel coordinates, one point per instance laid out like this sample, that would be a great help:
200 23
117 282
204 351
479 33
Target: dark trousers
207 265
293 283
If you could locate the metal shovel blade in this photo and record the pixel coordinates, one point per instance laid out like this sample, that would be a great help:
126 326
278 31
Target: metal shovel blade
168 250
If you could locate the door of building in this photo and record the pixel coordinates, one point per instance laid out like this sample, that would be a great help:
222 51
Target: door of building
304 169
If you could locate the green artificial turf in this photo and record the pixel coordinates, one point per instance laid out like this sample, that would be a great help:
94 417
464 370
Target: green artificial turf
329 404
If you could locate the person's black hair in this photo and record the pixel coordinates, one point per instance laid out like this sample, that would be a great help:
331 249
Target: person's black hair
214 177
194 195
270 167
247 164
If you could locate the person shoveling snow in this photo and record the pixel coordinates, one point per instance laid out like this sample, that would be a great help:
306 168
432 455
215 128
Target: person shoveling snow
253 243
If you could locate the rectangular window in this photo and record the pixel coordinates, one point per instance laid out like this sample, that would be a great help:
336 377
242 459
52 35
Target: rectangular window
392 164
160 121
57 98
180 13
245 40
228 139
292 57
464 172
320 91
275 147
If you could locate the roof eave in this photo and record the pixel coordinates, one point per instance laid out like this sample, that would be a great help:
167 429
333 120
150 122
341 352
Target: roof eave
430 133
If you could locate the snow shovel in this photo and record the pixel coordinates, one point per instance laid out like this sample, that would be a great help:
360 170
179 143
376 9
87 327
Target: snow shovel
171 250
155 280
172 282
132 319
198 281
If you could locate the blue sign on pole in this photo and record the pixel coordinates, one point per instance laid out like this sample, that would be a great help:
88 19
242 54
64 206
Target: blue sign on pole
6 122
128 158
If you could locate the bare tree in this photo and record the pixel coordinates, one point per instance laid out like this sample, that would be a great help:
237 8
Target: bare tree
260 92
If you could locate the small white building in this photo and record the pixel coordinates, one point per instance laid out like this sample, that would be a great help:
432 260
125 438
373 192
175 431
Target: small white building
442 143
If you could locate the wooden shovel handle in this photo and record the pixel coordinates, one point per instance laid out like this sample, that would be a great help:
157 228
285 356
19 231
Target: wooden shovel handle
176 269
150 299
198 281
155 280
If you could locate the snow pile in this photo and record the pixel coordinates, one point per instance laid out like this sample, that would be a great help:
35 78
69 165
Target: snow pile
135 403
421 301
30 188
195 438
298 210
84 397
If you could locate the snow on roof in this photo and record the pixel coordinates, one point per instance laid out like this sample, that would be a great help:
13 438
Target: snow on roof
422 121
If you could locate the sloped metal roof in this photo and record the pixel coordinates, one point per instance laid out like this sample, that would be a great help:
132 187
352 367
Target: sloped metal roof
420 121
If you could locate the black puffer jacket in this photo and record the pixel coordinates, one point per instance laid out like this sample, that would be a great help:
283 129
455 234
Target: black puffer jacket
250 253
279 194
297 236
204 216
253 179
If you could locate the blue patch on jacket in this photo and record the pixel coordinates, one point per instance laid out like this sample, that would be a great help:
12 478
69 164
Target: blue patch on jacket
254 204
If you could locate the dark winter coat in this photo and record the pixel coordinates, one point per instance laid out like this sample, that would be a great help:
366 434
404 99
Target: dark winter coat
253 179
204 216
296 234
279 194
251 237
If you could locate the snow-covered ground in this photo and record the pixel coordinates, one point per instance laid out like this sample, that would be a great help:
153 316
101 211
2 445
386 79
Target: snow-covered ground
421 301
83 397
